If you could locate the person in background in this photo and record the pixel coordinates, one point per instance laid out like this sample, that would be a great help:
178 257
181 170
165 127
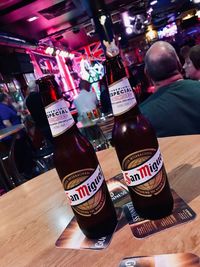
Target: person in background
23 154
174 108
86 101
85 66
8 114
184 52
192 63
35 107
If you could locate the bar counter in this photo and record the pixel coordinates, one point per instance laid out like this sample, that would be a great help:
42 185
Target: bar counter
34 215
10 130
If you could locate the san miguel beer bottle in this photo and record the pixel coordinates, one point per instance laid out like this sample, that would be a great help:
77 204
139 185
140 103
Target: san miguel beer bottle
77 166
136 145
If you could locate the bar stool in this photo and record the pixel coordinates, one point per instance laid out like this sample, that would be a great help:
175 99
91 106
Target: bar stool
9 172
43 158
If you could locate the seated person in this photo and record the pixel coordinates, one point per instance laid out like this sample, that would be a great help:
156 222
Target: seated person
23 154
174 108
192 63
8 114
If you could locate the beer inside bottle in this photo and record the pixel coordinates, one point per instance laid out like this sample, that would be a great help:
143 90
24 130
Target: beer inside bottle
136 145
78 167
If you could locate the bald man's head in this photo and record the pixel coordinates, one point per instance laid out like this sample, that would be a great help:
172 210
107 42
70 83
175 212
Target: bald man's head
161 61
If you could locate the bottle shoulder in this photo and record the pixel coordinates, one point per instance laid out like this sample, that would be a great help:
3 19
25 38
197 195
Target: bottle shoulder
73 152
135 132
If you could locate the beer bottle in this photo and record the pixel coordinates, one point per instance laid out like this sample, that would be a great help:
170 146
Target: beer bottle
77 166
136 145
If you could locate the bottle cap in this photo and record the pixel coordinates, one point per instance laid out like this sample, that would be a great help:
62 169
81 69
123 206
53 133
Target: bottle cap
111 48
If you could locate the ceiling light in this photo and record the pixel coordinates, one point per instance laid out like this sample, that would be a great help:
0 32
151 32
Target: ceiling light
198 13
150 10
151 34
188 16
12 38
129 30
132 18
32 19
49 50
196 1
153 2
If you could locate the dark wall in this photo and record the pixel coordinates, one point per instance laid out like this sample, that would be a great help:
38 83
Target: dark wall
15 63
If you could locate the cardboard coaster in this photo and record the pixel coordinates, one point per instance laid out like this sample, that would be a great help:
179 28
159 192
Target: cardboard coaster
165 260
141 228
73 238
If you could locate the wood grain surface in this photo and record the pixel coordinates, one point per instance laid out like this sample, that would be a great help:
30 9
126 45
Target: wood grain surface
33 215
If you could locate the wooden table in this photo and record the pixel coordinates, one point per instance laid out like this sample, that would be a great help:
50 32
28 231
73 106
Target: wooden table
34 215
10 130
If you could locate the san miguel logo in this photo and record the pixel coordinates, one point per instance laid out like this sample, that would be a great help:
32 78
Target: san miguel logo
144 172
84 191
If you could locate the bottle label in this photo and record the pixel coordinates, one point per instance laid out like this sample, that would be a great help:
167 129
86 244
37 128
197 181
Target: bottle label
59 117
85 192
121 96
145 172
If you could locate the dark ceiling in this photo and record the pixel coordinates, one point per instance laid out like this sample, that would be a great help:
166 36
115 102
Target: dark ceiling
68 22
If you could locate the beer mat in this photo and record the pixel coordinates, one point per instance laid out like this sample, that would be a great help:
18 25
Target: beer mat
73 238
142 228
165 260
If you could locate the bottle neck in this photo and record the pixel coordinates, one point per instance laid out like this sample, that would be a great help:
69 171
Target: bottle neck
114 63
121 93
67 135
132 113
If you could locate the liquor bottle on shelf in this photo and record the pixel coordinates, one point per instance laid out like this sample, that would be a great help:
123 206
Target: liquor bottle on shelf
77 166
136 144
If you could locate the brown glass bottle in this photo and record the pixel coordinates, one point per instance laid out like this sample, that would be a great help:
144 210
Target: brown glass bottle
78 167
137 147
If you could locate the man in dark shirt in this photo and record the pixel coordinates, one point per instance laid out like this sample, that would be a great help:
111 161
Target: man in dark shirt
174 108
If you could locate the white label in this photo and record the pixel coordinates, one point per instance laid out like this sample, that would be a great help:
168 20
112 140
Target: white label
59 117
145 171
87 189
121 96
